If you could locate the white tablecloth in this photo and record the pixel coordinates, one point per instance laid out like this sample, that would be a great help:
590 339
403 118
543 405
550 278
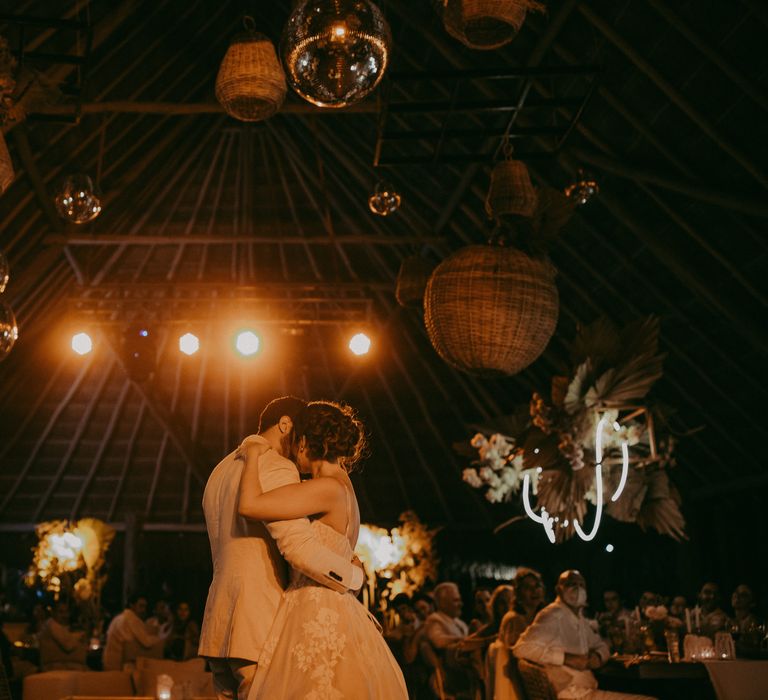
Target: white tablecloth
739 680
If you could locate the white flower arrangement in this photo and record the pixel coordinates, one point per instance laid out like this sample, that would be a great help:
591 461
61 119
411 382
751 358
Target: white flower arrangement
499 468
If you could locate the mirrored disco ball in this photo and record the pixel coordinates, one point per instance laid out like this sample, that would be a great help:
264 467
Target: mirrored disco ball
335 51
384 200
76 199
5 271
9 331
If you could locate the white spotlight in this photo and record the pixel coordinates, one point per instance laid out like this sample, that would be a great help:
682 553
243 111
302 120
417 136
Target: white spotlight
360 344
82 343
609 548
247 343
189 344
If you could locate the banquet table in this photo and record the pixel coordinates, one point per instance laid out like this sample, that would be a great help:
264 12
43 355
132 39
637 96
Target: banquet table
658 678
740 679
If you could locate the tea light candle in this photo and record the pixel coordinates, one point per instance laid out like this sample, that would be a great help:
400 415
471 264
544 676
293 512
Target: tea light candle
164 685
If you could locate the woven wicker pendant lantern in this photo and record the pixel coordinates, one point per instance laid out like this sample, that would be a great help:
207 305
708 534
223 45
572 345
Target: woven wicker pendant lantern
250 84
486 24
491 310
6 166
412 280
511 191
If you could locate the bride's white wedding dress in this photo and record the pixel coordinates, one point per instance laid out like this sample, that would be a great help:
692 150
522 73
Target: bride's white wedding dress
325 645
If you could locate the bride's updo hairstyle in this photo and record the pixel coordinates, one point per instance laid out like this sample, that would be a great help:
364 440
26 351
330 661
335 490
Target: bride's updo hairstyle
332 432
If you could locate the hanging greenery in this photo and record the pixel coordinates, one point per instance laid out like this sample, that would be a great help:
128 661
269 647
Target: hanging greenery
68 560
400 561
554 439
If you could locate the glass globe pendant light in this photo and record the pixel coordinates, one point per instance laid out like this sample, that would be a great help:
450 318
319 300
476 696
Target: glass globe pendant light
9 331
385 200
335 52
76 199
5 271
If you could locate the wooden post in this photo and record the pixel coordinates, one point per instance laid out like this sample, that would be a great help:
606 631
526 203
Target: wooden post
130 577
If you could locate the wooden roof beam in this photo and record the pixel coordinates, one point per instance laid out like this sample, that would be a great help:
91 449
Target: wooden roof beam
734 75
672 93
103 239
753 207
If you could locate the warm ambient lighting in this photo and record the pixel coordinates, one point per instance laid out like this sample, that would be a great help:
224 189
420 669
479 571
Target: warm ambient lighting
82 343
189 344
360 344
247 343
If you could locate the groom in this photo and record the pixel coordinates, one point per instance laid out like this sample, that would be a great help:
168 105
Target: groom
249 573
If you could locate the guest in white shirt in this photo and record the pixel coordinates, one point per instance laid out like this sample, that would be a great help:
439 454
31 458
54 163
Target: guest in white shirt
562 640
444 628
60 648
128 636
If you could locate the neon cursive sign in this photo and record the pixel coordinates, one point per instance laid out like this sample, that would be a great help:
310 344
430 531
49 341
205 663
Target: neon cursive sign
547 521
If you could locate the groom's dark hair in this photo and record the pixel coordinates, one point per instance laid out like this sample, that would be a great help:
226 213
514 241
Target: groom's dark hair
277 408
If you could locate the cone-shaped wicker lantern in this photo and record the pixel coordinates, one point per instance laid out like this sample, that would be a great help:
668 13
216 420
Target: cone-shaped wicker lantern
251 84
511 191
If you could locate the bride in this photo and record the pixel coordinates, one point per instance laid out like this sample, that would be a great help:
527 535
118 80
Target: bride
323 645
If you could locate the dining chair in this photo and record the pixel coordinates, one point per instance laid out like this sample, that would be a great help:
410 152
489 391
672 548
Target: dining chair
535 681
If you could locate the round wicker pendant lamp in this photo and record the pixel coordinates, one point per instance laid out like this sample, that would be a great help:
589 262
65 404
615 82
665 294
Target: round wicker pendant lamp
250 84
486 24
491 310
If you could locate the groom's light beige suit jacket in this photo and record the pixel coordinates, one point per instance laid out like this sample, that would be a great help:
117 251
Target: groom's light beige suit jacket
249 573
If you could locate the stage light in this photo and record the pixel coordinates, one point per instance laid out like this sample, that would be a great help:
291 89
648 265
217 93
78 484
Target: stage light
609 548
247 343
360 344
189 344
82 343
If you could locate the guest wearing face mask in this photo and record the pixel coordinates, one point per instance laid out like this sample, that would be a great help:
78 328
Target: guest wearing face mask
561 639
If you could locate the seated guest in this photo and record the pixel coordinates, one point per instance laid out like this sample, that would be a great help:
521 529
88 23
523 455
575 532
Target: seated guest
711 616
405 640
502 680
162 618
129 637
185 635
61 649
423 605
743 603
561 639
6 651
408 622
443 630
480 615
678 607
613 622
528 600
648 600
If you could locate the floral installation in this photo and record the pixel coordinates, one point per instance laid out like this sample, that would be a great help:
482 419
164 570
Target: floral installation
68 560
602 399
402 560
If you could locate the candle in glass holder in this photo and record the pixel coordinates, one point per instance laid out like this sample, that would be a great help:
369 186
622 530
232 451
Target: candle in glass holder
164 687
